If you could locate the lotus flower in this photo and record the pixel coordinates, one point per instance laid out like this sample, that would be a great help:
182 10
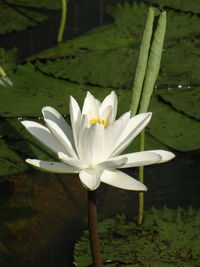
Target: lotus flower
92 147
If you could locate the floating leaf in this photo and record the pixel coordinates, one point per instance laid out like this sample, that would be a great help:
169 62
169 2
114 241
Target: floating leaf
180 63
179 24
98 39
95 67
19 18
172 127
184 5
32 90
183 100
166 238
10 161
48 4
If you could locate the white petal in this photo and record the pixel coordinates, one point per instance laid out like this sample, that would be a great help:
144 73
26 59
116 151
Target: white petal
43 134
51 166
98 103
111 164
61 137
106 115
91 105
165 155
134 126
84 125
110 100
77 163
137 159
75 115
112 135
50 113
90 178
122 180
92 144
125 117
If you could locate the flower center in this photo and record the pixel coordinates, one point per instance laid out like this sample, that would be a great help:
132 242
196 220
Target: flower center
102 122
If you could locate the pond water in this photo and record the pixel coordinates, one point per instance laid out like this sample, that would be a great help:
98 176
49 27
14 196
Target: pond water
44 214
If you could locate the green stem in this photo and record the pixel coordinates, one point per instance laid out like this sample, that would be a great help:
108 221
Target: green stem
93 234
62 21
141 179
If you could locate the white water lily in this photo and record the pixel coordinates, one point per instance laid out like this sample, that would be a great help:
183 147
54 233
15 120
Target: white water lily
92 147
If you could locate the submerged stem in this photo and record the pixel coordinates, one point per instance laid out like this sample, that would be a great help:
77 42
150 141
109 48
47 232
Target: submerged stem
141 179
62 21
93 234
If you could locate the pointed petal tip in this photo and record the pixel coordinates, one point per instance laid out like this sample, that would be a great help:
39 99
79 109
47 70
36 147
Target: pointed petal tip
47 108
165 155
26 123
28 160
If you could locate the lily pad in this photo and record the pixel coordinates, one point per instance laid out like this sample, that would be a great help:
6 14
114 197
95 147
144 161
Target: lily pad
184 100
98 39
180 63
10 161
42 90
172 127
166 238
19 18
179 24
95 68
184 5
48 4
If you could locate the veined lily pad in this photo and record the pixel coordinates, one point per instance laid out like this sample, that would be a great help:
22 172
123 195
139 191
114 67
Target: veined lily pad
19 18
98 39
32 90
180 65
96 67
179 24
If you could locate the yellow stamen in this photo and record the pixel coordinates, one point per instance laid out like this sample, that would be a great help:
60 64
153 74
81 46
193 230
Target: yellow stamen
102 122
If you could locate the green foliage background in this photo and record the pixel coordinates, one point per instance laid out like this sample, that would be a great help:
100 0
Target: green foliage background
101 60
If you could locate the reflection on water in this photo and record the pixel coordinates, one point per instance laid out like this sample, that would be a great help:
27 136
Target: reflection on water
42 214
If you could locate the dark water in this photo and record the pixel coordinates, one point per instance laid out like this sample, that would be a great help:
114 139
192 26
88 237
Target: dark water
60 204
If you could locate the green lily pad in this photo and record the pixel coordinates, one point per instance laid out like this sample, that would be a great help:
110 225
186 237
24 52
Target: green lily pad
95 67
19 18
172 127
10 161
98 39
183 100
180 63
179 24
48 4
32 90
166 238
184 5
